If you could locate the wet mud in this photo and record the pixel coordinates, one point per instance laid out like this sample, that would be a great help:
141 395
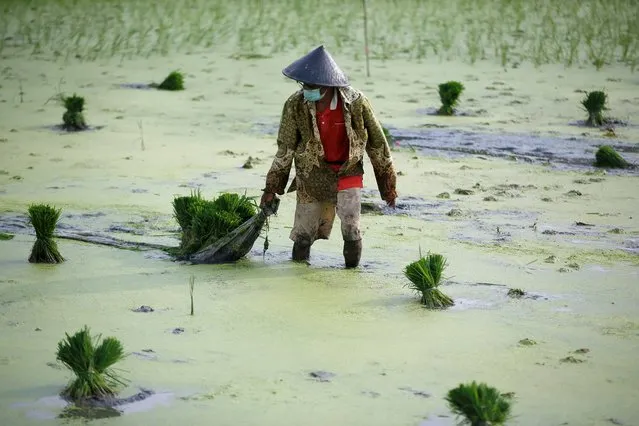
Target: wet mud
563 153
569 153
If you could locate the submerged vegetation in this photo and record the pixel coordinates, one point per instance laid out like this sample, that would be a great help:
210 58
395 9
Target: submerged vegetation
595 104
479 404
449 93
606 156
203 222
73 118
44 219
569 32
90 360
425 277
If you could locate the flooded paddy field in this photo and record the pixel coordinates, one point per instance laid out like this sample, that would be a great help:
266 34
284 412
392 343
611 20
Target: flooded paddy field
505 189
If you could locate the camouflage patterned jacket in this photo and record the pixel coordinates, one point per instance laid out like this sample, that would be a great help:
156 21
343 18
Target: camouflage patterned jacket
299 140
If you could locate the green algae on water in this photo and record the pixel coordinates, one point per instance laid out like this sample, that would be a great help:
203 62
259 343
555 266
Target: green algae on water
479 404
44 219
90 360
425 276
607 157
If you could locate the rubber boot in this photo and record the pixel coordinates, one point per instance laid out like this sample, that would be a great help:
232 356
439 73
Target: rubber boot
301 251
352 253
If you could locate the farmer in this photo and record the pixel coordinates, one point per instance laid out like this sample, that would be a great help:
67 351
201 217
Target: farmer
326 127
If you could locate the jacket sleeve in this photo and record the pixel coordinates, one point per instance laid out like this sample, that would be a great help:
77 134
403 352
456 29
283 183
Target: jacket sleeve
287 138
379 153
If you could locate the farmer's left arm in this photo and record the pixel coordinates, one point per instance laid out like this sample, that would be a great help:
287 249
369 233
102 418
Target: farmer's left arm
379 153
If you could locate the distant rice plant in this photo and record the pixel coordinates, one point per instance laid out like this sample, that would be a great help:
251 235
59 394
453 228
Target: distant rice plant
573 32
606 156
595 104
73 118
173 82
449 93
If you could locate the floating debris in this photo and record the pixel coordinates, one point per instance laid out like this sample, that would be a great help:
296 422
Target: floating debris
322 376
143 308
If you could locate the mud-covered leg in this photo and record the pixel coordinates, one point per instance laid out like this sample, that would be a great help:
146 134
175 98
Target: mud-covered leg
305 229
348 210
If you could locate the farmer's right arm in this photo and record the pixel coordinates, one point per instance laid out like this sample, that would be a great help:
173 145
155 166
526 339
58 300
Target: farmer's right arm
277 176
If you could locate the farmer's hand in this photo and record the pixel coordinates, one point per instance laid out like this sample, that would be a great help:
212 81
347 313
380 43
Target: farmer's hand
267 197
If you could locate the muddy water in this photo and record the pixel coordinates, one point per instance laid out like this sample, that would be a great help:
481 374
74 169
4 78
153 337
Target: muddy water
563 153
262 326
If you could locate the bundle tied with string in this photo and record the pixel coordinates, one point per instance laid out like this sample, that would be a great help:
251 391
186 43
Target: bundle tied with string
221 230
425 277
44 219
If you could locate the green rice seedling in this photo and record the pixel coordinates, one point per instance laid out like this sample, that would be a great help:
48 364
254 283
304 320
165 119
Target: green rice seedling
606 156
5 237
191 289
173 82
44 219
425 276
90 360
516 293
184 209
449 93
479 404
595 103
73 117
205 221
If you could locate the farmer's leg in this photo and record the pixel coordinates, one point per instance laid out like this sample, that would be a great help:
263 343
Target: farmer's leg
348 210
313 221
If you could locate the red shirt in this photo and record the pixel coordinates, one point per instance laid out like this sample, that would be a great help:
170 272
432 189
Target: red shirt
332 129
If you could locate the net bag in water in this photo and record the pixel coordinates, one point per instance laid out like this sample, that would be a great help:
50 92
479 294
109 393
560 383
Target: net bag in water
237 243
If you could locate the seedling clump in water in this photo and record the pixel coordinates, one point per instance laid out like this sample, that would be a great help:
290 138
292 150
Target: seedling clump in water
606 156
595 103
44 219
479 404
425 276
73 118
91 361
204 222
449 95
173 82
516 293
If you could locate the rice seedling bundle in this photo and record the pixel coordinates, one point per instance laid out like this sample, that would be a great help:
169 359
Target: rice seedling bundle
425 276
595 103
606 156
44 219
73 117
479 404
90 360
173 82
205 221
449 93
